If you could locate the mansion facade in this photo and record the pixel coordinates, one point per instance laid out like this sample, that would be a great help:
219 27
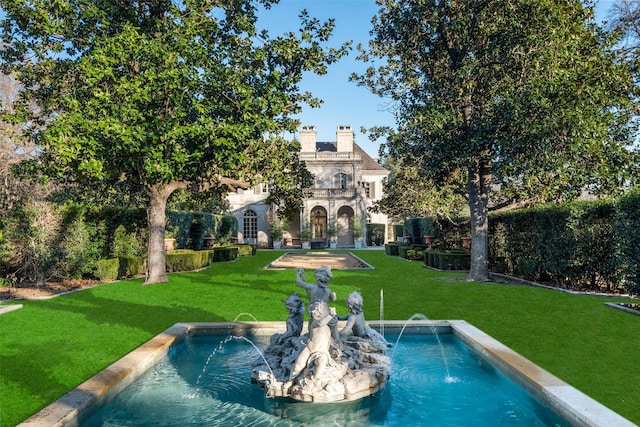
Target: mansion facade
347 182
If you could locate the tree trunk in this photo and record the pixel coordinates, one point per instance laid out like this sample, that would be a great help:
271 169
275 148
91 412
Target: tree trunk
156 263
479 181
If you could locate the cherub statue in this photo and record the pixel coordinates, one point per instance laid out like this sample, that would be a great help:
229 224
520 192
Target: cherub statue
320 290
317 349
295 306
356 324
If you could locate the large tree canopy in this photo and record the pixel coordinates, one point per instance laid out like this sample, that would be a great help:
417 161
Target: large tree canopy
163 94
526 97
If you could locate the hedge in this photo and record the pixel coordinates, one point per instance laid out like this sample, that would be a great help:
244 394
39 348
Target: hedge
375 234
578 245
228 253
245 249
107 269
187 260
448 260
130 266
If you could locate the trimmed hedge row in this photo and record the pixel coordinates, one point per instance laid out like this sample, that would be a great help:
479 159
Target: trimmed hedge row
579 245
448 260
190 260
119 268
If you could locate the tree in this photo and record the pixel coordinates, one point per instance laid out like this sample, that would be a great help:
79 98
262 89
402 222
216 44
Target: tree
407 194
161 94
525 97
12 151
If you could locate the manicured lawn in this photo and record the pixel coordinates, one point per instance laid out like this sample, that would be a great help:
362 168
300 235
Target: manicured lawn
49 347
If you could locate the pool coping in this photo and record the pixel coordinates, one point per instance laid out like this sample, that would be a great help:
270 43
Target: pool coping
574 406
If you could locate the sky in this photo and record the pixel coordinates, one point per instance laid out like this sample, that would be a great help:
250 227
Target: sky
345 103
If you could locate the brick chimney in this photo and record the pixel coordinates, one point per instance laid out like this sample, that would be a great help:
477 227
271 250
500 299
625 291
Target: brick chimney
344 139
308 139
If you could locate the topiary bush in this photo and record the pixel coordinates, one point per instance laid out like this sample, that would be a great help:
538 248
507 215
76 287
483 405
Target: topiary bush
187 260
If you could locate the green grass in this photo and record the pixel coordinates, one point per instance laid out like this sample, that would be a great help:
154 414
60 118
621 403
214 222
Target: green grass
49 347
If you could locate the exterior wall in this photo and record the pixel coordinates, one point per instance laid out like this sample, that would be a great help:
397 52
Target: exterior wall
343 189
240 203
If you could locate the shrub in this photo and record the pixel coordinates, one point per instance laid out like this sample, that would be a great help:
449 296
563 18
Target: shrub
187 260
130 266
415 254
125 244
449 260
107 269
79 248
392 249
226 253
375 234
246 249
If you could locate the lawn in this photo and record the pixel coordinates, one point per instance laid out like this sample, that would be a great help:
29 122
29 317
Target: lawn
50 346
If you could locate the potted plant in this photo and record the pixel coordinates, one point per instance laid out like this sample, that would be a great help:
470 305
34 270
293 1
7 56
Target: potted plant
277 228
357 231
333 230
305 235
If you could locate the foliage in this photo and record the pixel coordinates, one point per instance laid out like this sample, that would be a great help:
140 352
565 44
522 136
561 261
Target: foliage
449 260
107 269
628 228
522 111
277 227
356 227
130 266
163 96
79 247
211 201
188 260
406 194
125 244
392 248
582 245
375 234
529 320
31 242
227 253
305 233
418 228
246 249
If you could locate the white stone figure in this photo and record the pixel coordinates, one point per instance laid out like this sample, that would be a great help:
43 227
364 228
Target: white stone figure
318 291
316 352
356 325
295 321
314 367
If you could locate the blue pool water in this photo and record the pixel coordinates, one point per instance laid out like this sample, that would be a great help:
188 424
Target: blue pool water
433 383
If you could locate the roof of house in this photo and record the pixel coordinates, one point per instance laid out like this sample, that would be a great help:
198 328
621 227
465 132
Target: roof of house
368 163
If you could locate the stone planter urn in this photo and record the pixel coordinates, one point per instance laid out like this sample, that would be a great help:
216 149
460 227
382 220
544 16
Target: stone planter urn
466 243
428 240
208 242
169 244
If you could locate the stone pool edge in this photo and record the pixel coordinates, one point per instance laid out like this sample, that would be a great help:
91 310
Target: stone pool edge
576 407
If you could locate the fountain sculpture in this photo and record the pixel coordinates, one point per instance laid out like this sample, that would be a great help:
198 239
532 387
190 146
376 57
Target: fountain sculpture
324 364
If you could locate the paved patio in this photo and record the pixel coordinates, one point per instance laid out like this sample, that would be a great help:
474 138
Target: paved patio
314 260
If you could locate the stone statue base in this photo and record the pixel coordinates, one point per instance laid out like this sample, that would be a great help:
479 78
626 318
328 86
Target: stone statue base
354 368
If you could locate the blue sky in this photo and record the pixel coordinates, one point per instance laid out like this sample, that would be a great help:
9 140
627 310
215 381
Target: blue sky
345 103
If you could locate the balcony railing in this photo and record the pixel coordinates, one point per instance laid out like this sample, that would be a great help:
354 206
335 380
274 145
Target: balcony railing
330 155
333 193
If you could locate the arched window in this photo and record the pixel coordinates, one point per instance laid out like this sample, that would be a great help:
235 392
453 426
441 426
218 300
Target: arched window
250 225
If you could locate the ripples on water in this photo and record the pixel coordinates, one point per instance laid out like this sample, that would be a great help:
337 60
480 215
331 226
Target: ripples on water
182 391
